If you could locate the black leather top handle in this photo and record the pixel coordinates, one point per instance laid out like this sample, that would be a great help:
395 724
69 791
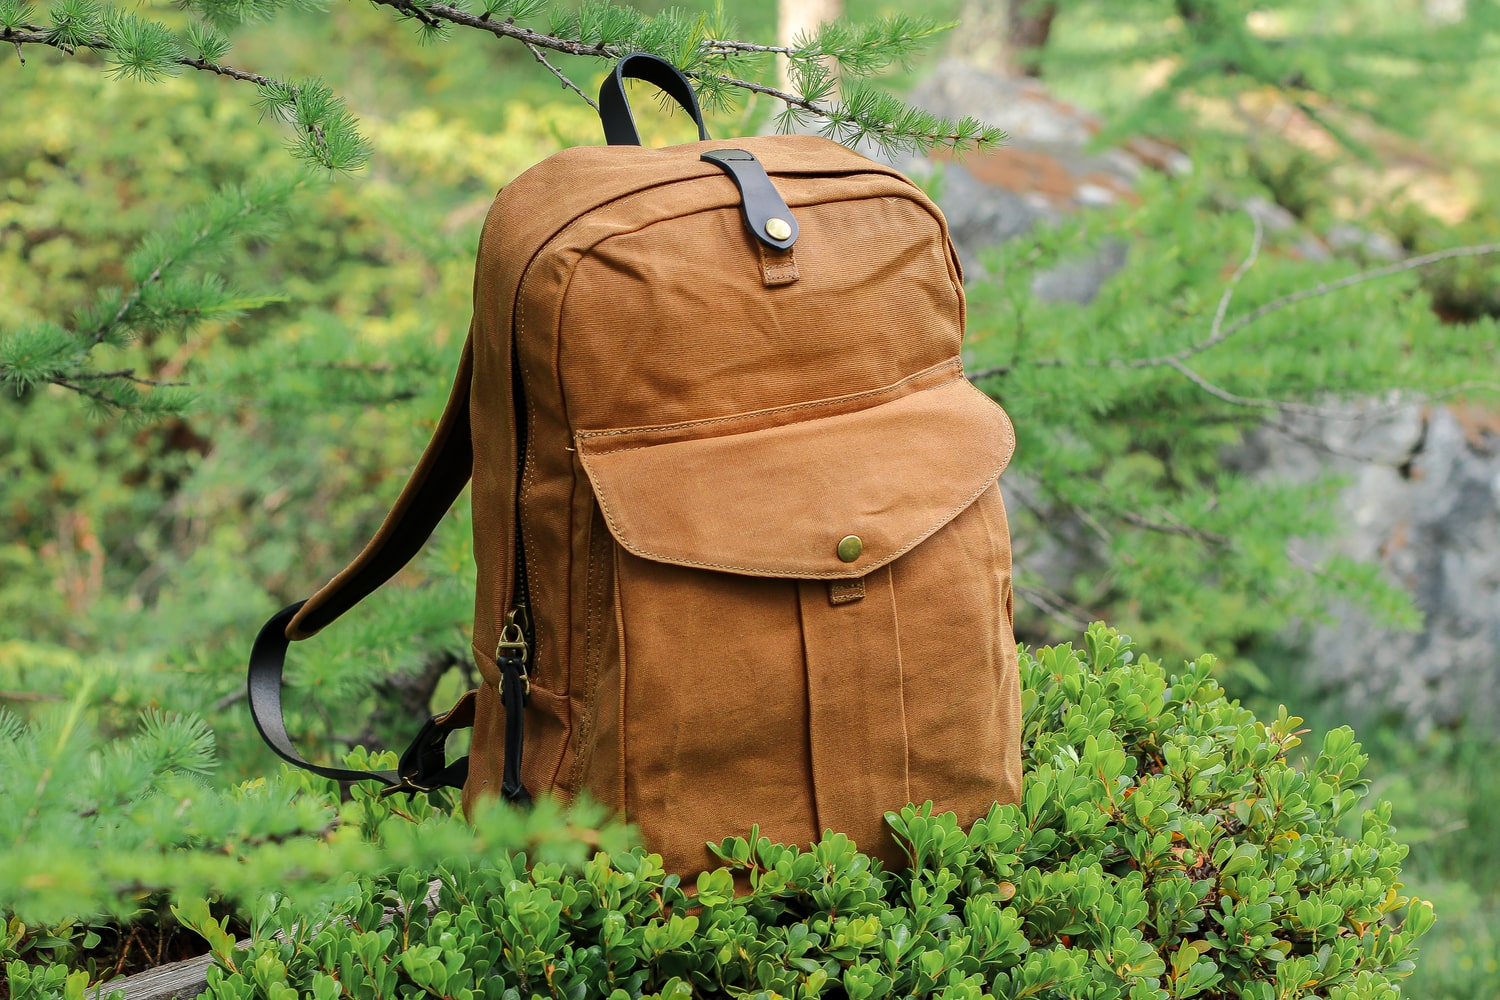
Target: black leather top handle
614 109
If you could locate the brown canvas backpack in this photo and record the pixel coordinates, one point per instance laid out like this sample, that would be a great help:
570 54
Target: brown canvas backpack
742 554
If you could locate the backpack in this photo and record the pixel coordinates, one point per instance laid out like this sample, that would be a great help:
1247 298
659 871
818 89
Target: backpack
742 555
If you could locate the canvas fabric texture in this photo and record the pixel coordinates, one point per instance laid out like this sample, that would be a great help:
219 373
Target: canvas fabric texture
678 427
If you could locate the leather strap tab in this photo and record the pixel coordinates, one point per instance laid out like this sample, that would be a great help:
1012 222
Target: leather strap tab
846 591
766 214
778 267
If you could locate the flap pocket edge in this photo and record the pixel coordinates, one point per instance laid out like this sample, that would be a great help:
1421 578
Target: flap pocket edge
785 501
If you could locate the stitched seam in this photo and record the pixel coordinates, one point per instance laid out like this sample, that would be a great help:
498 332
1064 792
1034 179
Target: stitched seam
846 593
777 270
622 775
801 423
593 652
795 408
804 575
955 363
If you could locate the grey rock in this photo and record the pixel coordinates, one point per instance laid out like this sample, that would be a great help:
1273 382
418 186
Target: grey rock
981 215
1080 280
1022 107
1046 169
1271 215
1278 220
1375 246
1423 502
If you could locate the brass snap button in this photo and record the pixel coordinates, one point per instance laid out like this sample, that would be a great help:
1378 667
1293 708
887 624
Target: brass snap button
850 546
778 229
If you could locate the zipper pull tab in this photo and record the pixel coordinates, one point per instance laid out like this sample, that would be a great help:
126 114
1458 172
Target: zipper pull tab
514 651
511 655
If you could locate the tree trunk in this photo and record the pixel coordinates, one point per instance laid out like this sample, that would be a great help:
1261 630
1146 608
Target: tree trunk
802 17
406 698
1004 36
1029 26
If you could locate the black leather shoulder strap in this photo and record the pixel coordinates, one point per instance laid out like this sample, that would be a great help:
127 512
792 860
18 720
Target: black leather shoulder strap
267 661
440 476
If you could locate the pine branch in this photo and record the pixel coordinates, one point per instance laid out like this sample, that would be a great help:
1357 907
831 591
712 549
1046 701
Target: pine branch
1327 288
327 133
103 399
229 71
126 375
567 83
1279 405
1175 527
889 123
32 34
162 299
724 47
326 130
433 14
1216 332
1054 606
1219 332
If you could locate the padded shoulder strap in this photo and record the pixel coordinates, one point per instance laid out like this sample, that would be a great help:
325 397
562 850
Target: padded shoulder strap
440 476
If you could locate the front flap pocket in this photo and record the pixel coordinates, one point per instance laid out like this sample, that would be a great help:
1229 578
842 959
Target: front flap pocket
824 497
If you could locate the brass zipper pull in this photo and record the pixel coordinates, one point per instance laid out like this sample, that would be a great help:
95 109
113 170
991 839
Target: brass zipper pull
513 644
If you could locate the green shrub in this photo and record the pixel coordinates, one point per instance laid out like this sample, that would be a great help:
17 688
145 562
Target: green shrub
1165 848
103 840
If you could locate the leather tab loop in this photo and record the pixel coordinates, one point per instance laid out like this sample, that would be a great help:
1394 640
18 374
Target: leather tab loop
778 267
846 591
770 221
424 765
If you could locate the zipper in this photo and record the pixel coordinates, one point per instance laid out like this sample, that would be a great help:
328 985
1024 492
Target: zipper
518 635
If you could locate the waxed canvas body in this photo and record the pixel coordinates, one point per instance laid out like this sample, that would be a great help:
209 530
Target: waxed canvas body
703 420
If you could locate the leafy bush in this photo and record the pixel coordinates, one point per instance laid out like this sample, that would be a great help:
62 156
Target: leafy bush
102 840
1165 848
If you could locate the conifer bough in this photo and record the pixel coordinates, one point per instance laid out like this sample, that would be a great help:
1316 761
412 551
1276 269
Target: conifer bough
326 133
